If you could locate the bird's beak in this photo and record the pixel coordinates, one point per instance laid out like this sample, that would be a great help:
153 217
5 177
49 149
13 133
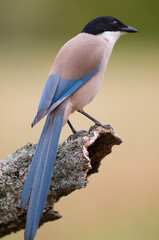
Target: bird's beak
128 29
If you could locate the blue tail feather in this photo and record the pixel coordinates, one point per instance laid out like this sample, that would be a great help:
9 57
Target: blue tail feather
40 173
30 176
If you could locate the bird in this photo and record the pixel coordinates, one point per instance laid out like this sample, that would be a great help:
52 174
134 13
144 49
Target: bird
73 82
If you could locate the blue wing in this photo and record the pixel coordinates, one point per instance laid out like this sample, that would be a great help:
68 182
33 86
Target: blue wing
56 90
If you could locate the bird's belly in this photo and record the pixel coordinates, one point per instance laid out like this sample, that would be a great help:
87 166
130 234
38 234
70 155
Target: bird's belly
85 94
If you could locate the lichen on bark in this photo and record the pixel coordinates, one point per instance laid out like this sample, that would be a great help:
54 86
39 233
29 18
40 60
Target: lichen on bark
78 157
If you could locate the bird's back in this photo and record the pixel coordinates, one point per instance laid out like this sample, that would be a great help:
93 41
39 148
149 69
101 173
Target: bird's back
78 57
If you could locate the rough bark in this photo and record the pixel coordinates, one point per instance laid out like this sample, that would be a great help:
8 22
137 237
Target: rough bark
78 157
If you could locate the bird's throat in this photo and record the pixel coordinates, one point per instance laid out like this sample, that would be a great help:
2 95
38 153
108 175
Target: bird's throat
112 37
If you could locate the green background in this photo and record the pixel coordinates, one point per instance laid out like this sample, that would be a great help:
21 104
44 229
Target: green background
60 18
121 202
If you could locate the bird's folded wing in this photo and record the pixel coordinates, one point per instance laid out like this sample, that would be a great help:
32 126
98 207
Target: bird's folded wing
56 90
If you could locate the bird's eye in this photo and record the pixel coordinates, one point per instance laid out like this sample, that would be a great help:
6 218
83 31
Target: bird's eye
115 23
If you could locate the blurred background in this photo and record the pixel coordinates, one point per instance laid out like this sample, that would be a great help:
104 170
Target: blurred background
122 200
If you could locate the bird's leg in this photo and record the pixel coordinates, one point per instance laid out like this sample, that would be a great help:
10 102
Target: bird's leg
91 118
72 128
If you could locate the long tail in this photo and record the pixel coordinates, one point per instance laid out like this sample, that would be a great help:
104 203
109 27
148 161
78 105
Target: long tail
37 184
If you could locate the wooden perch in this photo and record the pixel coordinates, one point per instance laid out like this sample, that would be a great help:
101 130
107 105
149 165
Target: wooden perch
78 157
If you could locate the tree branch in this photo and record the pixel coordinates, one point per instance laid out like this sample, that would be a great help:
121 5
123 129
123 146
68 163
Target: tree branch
77 157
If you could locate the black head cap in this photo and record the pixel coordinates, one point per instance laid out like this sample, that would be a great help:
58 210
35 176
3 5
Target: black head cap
106 23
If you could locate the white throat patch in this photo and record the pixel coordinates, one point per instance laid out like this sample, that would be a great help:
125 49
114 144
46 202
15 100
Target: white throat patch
112 36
